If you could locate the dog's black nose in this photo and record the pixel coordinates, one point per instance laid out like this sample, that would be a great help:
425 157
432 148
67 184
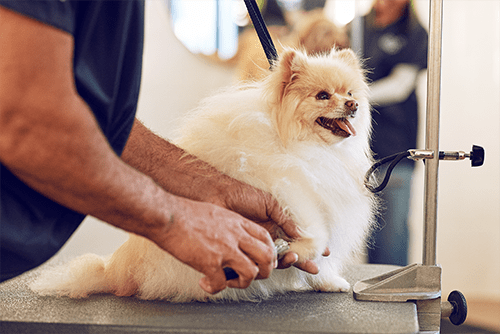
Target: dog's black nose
352 107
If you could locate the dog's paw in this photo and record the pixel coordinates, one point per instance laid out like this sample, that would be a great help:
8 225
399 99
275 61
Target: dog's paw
336 284
305 248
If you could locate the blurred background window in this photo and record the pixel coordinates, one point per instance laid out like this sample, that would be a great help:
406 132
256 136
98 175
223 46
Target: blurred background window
212 26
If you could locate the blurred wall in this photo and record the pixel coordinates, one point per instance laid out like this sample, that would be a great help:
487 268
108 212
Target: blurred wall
468 240
469 198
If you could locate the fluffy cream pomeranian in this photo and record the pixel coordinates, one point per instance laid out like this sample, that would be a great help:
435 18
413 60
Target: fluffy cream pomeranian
301 134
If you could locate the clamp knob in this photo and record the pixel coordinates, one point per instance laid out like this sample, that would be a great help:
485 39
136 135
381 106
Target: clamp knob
455 308
477 156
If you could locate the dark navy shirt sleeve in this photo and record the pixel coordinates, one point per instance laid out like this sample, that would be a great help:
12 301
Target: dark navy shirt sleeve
107 62
59 14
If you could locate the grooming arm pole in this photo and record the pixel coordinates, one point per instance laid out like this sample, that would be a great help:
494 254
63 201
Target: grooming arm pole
420 282
432 132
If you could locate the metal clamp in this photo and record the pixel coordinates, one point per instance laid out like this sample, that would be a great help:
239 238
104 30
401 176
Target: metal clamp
476 155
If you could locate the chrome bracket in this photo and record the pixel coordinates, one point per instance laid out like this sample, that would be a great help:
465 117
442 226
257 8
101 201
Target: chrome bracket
476 155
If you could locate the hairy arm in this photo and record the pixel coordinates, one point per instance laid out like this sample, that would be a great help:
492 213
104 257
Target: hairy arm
50 140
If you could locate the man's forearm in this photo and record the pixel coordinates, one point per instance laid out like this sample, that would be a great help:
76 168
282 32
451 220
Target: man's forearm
74 166
172 168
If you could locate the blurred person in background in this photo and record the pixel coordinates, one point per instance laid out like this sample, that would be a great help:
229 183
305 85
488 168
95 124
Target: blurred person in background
395 49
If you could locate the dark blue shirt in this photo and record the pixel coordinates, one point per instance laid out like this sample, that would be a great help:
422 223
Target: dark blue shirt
108 38
403 42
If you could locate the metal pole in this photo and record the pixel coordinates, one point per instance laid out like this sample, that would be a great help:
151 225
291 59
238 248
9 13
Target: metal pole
432 131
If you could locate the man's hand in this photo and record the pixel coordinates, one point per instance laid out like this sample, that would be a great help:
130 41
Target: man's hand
261 208
209 238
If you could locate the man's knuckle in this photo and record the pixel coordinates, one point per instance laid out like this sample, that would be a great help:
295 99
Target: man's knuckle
268 257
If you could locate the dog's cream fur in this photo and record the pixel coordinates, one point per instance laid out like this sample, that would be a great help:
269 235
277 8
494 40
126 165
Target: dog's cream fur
311 32
265 134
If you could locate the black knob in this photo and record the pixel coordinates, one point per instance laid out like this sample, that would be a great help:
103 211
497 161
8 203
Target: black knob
459 313
477 156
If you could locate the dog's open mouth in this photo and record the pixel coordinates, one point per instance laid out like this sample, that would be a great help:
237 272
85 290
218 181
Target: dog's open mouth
338 126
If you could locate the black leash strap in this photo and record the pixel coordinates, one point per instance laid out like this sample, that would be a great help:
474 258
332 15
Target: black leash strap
262 32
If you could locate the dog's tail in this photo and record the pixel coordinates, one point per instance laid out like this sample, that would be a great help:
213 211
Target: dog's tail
79 278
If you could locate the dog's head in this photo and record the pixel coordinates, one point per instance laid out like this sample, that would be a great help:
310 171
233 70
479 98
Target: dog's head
319 98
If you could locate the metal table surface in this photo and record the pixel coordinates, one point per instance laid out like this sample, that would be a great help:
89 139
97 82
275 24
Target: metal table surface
22 311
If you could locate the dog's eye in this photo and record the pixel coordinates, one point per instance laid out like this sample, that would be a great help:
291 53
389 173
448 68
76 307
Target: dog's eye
323 95
349 93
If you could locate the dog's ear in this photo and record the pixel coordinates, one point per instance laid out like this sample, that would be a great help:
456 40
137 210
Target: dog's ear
348 56
288 70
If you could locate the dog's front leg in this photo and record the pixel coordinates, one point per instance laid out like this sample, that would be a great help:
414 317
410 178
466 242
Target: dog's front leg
300 200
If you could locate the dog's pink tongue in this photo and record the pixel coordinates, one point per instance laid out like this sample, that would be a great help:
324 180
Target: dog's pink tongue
345 125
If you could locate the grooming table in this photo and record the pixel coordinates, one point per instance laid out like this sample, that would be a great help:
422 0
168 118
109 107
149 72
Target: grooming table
21 311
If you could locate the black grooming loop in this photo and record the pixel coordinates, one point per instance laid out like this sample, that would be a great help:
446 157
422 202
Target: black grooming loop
395 158
476 156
